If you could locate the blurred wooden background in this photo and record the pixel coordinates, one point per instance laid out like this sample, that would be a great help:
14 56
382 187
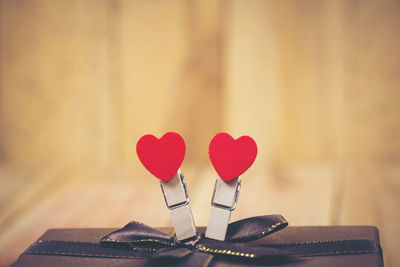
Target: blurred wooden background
315 83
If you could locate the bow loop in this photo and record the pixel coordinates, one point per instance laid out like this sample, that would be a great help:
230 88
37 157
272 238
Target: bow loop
254 228
139 234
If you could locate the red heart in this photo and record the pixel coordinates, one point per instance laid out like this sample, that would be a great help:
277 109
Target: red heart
162 157
231 157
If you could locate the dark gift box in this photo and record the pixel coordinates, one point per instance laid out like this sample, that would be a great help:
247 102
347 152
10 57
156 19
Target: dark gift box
262 240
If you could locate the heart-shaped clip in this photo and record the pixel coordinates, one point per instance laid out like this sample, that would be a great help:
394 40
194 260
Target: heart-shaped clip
230 158
163 158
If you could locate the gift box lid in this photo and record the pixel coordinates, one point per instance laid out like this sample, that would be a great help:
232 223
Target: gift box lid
289 235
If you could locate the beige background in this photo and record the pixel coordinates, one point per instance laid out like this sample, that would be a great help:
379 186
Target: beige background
315 83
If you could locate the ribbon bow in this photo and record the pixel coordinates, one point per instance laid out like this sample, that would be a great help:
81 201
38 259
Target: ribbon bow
147 241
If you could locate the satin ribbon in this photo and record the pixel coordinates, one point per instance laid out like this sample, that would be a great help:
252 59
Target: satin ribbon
138 241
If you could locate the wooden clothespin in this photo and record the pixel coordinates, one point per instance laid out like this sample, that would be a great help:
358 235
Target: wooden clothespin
177 200
163 158
224 201
230 159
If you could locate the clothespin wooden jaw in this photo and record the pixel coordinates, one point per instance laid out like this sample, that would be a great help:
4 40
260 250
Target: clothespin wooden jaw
177 200
224 201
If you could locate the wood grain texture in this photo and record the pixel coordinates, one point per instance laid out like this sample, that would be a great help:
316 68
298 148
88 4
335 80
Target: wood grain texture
315 83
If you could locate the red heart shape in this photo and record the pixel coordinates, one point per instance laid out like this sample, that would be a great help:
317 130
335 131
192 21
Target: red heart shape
231 157
162 157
